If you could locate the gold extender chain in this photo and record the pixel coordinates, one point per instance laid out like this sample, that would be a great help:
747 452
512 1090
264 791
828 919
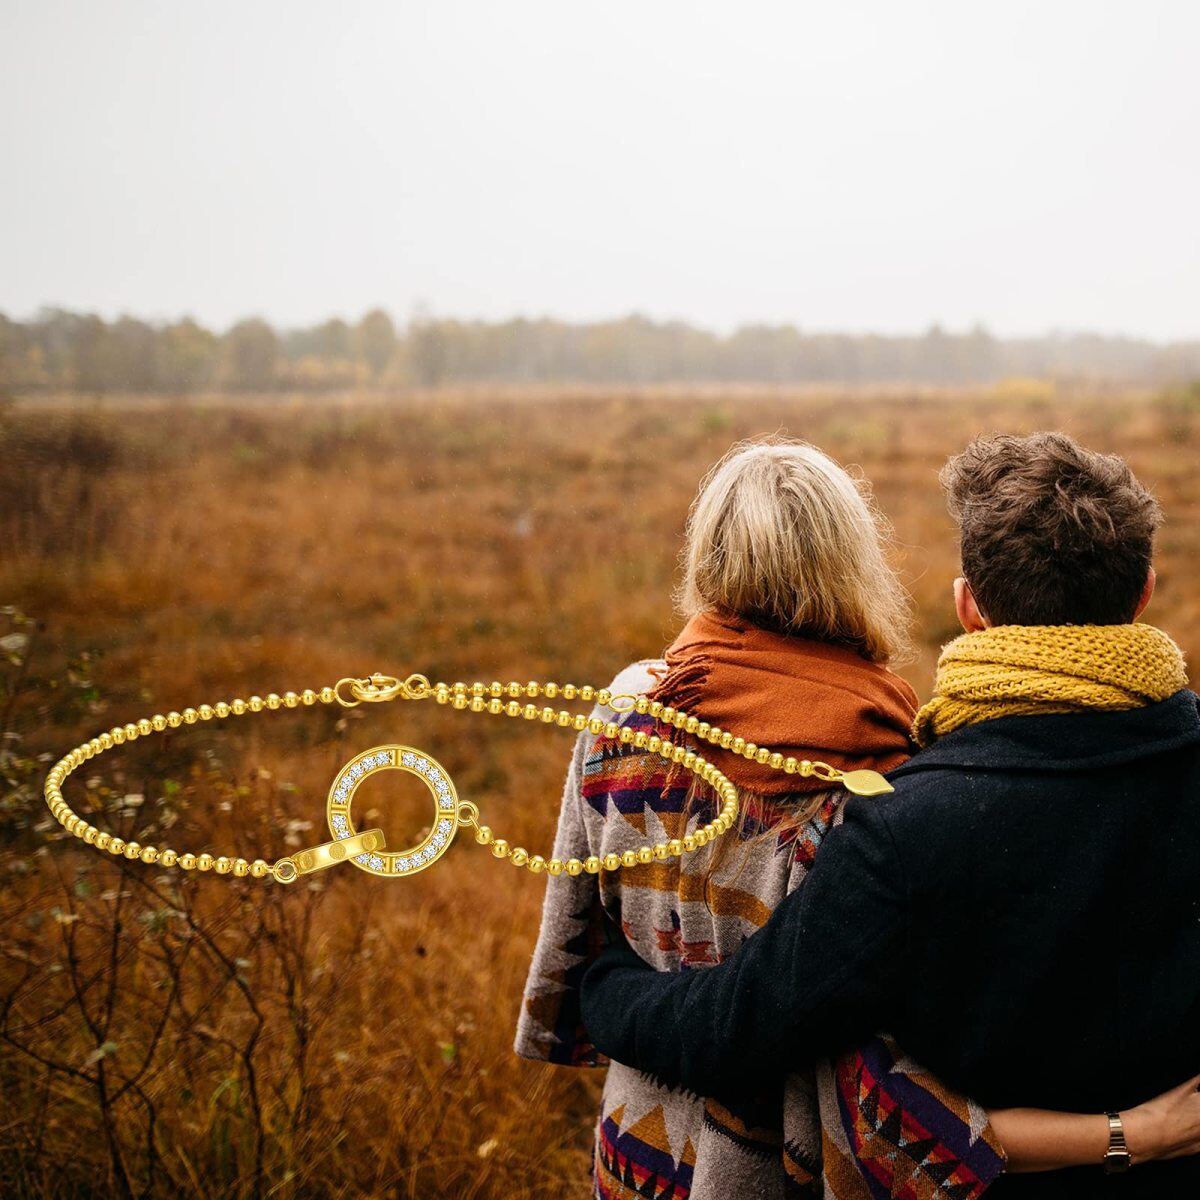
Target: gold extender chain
366 850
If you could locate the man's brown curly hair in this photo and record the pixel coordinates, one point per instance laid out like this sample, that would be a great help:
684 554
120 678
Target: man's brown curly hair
1051 533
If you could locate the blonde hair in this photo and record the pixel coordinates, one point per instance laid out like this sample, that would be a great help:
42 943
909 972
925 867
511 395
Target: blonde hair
781 535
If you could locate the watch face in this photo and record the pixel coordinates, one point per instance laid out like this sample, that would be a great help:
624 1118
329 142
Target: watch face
1116 1161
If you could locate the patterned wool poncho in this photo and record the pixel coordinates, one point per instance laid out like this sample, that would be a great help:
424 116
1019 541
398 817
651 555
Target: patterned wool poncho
870 1126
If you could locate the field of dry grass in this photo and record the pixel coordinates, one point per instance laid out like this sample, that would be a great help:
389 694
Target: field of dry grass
167 1035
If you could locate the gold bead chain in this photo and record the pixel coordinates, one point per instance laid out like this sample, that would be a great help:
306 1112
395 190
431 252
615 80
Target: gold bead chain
512 700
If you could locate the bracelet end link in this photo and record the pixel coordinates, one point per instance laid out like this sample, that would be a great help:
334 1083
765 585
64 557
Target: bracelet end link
317 858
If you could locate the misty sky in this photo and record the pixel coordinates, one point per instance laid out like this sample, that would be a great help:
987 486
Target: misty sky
851 165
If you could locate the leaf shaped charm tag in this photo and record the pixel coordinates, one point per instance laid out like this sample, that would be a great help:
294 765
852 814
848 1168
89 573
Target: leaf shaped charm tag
866 783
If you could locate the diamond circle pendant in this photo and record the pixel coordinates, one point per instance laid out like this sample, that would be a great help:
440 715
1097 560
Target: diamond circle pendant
445 808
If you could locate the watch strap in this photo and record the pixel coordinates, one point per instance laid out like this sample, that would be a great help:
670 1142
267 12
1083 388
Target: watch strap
1117 1158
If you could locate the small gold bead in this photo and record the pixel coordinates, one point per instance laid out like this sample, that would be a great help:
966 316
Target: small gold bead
167 858
478 704
689 842
221 709
308 696
513 708
260 868
569 691
763 756
241 868
149 854
662 851
595 725
563 719
587 692
666 714
776 760
204 862
611 729
223 865
574 866
548 715
550 690
132 849
325 695
131 735
157 722
513 689
537 864
806 766
579 722
190 716
459 689
529 712
554 866
460 701
483 834
612 862
117 734
255 703
106 740
603 696
116 847
174 719
187 862
519 856
90 834
790 765
273 700
206 712
532 688
500 848
102 840
478 689
496 688
701 837
749 750
645 854
591 864
629 858
495 707
291 700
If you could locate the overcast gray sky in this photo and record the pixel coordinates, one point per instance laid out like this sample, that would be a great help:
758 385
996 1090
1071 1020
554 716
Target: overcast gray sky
843 165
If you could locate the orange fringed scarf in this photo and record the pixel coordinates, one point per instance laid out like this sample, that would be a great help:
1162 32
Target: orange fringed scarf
804 698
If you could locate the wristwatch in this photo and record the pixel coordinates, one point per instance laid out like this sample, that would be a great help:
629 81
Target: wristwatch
1118 1158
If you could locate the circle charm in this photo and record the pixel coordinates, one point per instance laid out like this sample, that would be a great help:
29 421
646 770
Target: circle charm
445 808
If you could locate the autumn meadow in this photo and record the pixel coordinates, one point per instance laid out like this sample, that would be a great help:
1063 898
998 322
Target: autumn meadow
164 1034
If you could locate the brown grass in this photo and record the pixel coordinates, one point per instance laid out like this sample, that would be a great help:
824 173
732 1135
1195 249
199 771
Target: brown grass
196 1036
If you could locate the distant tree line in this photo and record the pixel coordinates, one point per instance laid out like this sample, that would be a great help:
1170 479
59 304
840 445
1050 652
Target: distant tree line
66 351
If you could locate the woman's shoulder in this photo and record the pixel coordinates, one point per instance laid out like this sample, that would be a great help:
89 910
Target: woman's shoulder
637 677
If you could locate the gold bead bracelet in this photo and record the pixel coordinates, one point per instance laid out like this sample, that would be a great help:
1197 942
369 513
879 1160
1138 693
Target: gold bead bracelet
366 850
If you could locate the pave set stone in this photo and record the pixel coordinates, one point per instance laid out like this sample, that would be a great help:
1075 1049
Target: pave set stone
413 761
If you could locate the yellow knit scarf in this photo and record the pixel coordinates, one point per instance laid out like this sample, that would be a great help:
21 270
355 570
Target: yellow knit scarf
1019 670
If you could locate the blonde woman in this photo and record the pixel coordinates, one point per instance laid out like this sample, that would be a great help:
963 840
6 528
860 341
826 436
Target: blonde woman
793 614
